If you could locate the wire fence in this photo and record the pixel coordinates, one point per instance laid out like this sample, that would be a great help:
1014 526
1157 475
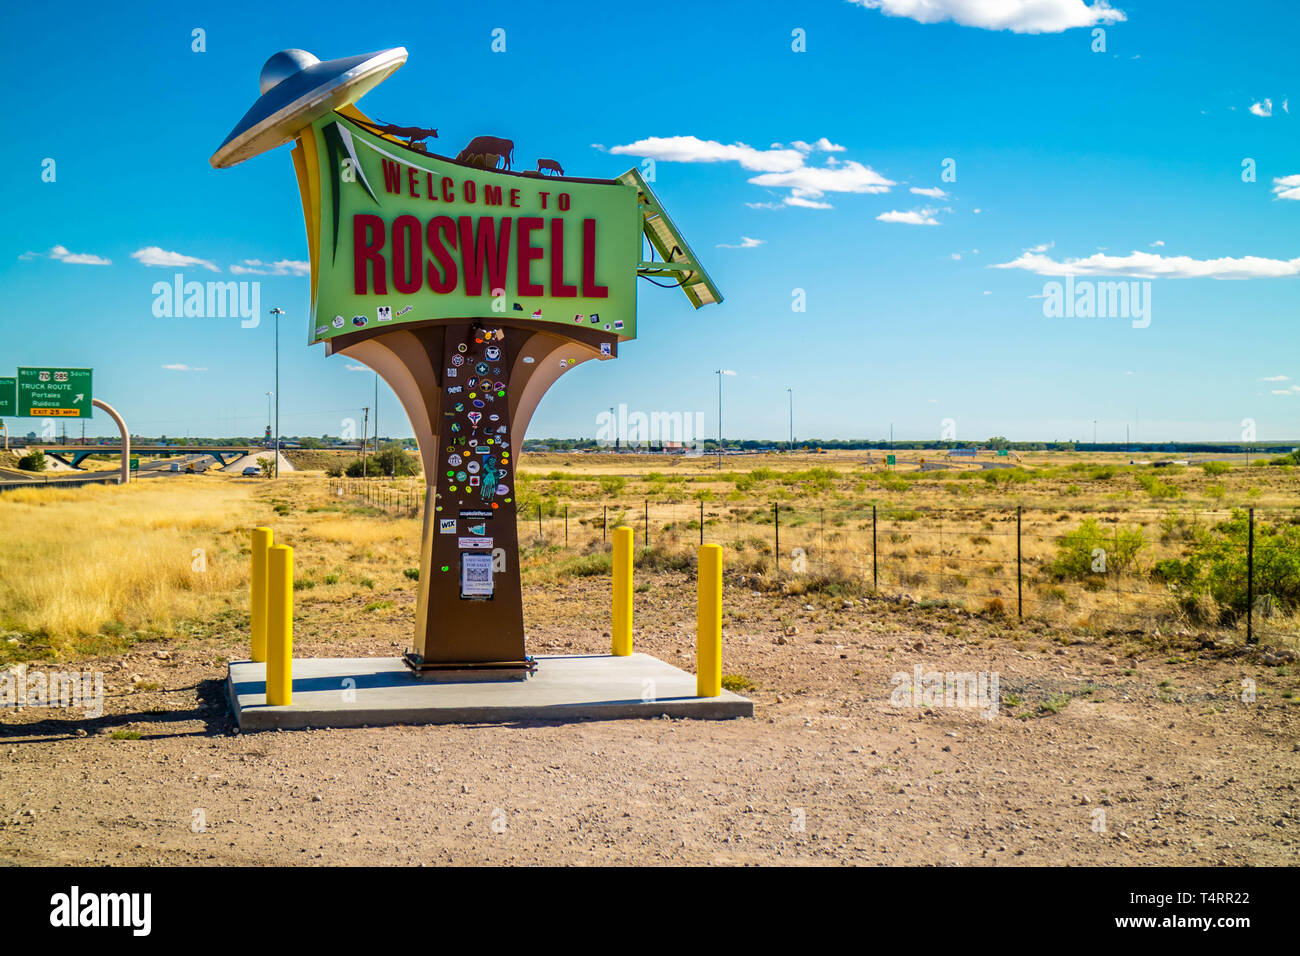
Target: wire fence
1117 568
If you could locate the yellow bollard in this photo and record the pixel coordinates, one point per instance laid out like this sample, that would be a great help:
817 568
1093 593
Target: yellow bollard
257 598
279 632
708 622
622 630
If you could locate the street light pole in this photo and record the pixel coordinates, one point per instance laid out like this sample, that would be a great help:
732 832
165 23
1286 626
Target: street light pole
721 372
365 437
277 312
790 447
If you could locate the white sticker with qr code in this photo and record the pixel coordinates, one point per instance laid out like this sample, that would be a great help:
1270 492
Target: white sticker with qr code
476 575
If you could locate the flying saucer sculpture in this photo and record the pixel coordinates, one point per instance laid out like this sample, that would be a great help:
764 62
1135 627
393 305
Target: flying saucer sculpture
297 89
470 290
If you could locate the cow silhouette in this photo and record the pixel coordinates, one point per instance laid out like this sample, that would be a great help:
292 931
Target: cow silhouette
545 164
484 146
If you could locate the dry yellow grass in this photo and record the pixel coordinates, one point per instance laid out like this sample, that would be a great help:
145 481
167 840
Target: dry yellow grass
76 561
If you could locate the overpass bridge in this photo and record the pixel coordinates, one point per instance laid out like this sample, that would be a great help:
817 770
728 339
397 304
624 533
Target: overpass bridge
74 455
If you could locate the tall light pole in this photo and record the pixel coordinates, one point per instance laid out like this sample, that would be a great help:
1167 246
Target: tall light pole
790 447
721 372
365 432
376 413
268 410
277 312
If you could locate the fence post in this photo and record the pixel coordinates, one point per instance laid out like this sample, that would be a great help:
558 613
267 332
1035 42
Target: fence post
646 502
1250 578
604 521
701 521
540 538
1020 601
875 580
566 526
622 626
776 530
279 638
708 622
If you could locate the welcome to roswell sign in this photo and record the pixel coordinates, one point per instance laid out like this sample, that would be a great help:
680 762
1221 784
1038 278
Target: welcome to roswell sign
405 237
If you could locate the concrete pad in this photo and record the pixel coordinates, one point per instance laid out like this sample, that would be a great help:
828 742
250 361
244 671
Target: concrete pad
383 690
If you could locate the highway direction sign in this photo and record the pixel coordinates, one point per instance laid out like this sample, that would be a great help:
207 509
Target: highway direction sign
54 392
8 396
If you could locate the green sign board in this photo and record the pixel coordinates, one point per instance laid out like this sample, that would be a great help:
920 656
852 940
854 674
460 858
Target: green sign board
1002 452
405 237
889 460
135 464
8 396
54 392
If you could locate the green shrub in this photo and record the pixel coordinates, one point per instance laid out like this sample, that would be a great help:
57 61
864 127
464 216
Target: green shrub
1216 565
1088 550
34 460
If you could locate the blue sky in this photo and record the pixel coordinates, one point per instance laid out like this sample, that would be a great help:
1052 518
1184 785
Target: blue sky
1123 164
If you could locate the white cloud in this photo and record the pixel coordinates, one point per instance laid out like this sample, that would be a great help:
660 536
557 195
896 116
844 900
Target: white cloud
1282 391
912 217
745 243
1287 187
806 203
1158 242
153 256
182 367
1041 247
1150 265
1276 378
777 168
61 254
1018 16
812 182
933 192
1264 108
822 144
692 149
282 267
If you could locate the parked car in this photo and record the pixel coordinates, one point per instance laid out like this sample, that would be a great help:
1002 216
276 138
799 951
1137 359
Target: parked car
251 472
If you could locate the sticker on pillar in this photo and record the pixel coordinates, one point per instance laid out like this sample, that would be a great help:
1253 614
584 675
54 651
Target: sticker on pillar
446 525
360 320
474 543
338 322
451 373
384 313
453 460
604 348
578 319
474 417
472 467
537 314
618 323
481 368
479 528
529 360
473 481
490 474
476 514
458 360
493 352
518 307
476 576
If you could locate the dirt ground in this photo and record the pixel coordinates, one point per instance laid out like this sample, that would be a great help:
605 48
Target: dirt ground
1126 752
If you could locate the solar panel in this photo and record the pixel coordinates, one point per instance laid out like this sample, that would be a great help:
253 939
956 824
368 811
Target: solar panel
677 261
